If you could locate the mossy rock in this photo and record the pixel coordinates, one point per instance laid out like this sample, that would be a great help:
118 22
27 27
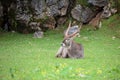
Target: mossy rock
82 2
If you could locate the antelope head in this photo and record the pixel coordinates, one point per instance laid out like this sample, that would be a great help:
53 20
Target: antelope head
69 38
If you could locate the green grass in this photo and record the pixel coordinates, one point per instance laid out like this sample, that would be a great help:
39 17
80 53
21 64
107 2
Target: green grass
23 57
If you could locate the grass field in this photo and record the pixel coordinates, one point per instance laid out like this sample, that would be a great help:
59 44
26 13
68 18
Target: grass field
23 57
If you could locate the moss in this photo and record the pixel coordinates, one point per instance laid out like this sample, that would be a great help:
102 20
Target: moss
82 2
40 20
117 5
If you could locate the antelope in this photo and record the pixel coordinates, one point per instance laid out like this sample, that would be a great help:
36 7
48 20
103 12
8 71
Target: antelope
69 48
108 11
96 22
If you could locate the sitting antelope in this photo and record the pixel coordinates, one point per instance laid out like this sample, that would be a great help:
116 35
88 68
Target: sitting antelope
96 22
69 48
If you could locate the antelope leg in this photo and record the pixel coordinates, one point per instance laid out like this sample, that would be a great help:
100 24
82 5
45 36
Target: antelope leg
59 52
65 53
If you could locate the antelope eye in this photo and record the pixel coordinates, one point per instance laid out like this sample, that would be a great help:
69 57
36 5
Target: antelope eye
67 40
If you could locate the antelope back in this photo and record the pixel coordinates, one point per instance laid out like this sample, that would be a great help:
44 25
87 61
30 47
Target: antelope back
76 50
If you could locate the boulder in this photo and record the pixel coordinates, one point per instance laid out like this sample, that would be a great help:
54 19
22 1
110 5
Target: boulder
1 14
23 13
51 2
49 23
63 6
45 12
53 9
61 20
22 16
1 10
99 3
38 34
38 9
108 11
35 26
76 12
57 7
82 14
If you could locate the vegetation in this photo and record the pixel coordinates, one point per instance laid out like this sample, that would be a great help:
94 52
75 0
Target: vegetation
82 2
23 57
117 5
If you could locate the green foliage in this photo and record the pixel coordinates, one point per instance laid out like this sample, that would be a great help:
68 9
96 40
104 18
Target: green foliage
23 57
82 2
42 20
117 4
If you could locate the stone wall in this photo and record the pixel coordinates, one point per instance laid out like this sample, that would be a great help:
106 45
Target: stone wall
26 16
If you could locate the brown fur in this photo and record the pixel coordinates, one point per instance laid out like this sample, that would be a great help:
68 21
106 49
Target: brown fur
69 48
95 22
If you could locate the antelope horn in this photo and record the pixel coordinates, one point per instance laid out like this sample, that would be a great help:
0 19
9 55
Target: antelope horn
73 34
66 34
76 31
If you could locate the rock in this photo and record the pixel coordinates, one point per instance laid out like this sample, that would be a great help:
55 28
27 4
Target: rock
21 27
87 15
61 20
22 11
38 7
113 10
38 34
54 10
1 14
23 15
46 11
57 7
76 12
52 7
49 23
108 11
20 15
51 2
63 6
35 26
1 10
12 16
82 14
99 3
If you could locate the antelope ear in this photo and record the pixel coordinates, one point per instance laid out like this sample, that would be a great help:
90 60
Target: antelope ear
66 34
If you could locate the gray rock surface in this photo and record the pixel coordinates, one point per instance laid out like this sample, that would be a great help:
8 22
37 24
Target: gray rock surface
1 14
99 3
82 14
